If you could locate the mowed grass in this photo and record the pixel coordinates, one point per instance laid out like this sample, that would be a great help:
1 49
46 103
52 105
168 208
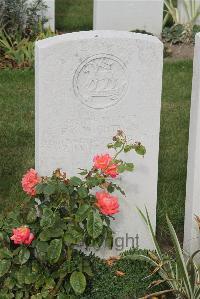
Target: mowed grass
17 139
74 15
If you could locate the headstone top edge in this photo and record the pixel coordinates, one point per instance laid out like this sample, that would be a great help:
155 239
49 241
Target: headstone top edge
81 35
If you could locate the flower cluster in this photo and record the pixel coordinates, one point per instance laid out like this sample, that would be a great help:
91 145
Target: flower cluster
106 165
62 213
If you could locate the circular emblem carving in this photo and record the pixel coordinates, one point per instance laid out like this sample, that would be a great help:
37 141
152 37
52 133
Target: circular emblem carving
101 81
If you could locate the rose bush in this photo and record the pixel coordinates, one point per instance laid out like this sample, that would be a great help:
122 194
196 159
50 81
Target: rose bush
38 242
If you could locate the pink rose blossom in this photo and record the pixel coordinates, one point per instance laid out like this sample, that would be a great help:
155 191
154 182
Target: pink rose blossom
105 164
111 170
107 203
22 235
102 161
29 181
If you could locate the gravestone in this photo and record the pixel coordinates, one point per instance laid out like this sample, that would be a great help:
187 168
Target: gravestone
48 13
183 12
192 205
89 85
128 15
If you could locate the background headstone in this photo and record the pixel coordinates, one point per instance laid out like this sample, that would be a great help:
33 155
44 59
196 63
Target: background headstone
89 85
192 205
183 13
128 15
50 14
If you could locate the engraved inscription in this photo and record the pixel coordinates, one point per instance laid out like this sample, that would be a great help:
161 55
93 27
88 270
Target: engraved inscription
101 81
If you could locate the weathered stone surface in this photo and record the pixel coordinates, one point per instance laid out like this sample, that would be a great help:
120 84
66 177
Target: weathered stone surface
192 205
128 15
89 85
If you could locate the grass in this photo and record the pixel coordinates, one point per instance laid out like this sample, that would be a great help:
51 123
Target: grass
74 15
17 138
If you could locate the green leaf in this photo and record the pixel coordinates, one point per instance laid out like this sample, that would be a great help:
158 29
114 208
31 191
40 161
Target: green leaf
128 148
75 181
32 216
82 212
87 269
24 255
54 251
41 249
111 188
48 218
4 267
140 149
94 224
40 188
82 192
50 233
5 253
73 236
129 166
121 168
49 189
78 282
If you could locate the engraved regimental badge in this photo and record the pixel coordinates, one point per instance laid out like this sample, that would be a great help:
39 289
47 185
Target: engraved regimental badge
101 81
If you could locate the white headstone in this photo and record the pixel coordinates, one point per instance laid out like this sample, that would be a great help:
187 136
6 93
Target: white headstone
49 13
192 205
183 13
89 85
128 15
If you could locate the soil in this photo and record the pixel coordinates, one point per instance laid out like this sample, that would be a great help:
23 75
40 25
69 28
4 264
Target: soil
180 51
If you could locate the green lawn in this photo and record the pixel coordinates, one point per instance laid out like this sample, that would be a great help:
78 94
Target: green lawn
74 15
17 138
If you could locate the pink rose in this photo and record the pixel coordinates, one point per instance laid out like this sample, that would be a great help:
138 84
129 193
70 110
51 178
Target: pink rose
29 181
111 170
22 235
102 161
105 164
107 203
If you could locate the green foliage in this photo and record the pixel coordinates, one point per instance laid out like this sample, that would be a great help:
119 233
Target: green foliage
62 215
135 280
180 272
22 17
18 51
180 33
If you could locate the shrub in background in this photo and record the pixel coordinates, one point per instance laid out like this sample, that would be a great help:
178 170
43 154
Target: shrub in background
22 17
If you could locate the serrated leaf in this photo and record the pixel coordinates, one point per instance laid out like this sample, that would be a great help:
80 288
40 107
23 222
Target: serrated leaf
5 253
75 181
4 267
128 148
32 216
49 189
73 236
82 192
140 149
129 166
41 248
82 212
49 233
24 255
78 282
48 218
54 251
94 224
40 188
